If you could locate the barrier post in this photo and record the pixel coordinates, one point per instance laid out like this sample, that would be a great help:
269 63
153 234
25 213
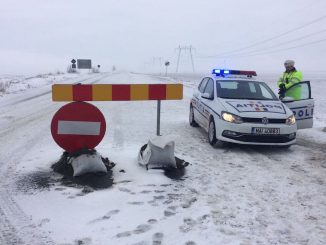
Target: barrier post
158 125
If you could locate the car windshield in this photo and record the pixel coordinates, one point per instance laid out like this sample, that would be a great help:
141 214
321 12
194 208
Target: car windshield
249 90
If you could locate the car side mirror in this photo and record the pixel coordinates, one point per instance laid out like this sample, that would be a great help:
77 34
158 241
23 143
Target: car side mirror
207 96
287 99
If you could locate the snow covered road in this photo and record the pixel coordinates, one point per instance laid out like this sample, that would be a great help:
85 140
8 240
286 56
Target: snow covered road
233 195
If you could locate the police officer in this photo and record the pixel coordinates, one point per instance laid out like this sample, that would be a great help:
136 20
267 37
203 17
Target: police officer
290 77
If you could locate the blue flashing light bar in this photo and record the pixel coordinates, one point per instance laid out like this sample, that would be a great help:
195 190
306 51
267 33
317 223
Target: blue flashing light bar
221 72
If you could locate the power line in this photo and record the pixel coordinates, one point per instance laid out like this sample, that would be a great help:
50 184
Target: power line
276 45
269 39
284 49
309 5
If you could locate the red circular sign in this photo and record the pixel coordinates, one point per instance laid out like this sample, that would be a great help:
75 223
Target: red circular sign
78 125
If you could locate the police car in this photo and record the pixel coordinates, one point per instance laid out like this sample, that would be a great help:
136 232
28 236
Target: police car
233 107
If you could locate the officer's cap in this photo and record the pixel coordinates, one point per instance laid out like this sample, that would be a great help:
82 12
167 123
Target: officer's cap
289 63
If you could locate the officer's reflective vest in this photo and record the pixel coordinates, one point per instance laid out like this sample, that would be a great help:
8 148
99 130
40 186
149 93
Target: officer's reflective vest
289 79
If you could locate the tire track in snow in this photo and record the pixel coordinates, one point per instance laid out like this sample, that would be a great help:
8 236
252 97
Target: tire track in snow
15 226
8 231
257 192
297 188
24 232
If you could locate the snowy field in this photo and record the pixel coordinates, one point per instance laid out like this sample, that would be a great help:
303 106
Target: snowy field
234 195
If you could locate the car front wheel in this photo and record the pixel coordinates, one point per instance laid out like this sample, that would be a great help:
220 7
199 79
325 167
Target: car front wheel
192 121
284 146
212 132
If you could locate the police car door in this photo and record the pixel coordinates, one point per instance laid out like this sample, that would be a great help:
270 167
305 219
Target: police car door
198 106
302 109
207 101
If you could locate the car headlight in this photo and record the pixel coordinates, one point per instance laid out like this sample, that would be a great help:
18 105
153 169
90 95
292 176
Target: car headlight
229 117
290 120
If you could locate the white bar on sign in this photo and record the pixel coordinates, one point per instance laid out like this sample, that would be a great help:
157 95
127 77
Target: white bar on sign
79 127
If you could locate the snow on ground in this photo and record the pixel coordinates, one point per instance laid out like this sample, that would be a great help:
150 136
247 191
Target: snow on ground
14 84
233 195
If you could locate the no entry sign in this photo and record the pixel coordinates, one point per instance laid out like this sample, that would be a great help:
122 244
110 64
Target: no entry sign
78 125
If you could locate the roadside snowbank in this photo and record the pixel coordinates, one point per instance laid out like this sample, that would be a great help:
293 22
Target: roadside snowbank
15 84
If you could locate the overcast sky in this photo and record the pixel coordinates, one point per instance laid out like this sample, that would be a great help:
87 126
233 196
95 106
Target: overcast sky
44 35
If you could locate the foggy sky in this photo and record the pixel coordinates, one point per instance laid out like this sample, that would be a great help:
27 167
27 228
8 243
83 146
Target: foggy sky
44 35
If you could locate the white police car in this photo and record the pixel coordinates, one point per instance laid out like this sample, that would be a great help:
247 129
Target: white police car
233 107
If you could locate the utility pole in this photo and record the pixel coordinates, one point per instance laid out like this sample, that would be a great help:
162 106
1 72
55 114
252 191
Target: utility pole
186 49
179 49
192 59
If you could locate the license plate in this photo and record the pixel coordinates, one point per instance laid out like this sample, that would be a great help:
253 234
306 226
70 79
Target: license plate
264 131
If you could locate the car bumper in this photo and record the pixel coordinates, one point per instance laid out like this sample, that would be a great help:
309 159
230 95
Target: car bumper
242 134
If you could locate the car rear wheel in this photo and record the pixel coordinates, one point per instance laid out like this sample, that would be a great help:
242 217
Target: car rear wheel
212 132
192 121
